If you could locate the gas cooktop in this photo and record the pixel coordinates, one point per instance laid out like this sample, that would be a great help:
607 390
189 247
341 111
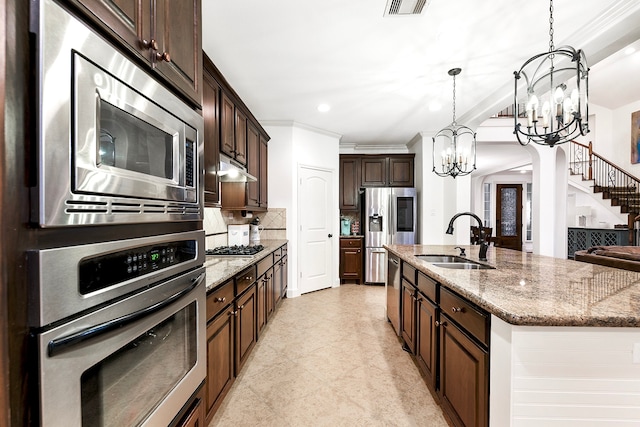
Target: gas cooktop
235 250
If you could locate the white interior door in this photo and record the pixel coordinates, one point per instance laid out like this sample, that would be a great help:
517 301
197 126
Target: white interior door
315 198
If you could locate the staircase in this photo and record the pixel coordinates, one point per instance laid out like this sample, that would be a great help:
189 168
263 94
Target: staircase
616 185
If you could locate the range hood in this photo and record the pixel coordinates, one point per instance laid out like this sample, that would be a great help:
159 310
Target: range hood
232 171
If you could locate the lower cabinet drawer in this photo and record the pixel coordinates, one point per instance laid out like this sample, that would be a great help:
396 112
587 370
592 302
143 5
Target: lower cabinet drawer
474 320
409 273
219 299
427 286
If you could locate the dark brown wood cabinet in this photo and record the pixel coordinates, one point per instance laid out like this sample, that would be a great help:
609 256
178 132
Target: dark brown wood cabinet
351 259
264 171
387 170
426 339
463 361
374 171
227 126
240 153
253 166
211 115
285 273
167 35
449 338
401 171
220 346
349 182
257 165
246 312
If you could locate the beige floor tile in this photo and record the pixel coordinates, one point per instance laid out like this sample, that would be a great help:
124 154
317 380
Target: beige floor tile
330 358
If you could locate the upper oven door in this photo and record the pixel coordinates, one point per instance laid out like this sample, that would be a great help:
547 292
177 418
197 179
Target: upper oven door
125 144
114 145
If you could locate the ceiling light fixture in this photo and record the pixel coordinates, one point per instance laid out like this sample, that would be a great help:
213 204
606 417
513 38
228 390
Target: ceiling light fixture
323 108
557 88
455 143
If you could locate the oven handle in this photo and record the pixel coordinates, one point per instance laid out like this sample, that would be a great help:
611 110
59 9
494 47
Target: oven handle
61 345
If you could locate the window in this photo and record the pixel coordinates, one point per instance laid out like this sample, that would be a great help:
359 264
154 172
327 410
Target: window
487 204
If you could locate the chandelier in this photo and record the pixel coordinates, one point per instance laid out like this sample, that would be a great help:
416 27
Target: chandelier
557 87
455 143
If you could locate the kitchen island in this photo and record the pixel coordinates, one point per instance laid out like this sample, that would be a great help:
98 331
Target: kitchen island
564 344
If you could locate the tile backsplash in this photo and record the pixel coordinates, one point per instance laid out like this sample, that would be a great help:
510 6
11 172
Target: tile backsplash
274 223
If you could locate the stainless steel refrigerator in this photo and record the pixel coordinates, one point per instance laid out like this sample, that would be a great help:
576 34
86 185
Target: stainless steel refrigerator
390 217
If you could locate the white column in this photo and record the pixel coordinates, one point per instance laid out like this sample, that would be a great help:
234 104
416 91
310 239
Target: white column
549 222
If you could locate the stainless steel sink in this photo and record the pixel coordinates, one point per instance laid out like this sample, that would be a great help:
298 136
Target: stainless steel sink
463 265
454 262
442 258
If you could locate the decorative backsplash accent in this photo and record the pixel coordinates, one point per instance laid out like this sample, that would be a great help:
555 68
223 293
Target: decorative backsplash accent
274 223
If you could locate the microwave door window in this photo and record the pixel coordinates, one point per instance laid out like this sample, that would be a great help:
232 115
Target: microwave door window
127 142
405 214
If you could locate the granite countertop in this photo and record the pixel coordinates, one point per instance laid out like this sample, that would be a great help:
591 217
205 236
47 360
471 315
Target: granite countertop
221 268
535 290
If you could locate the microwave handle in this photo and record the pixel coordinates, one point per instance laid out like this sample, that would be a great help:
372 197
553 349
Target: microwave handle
61 345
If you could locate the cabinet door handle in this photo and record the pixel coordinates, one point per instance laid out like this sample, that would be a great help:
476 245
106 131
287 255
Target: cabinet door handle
164 56
150 44
457 309
218 299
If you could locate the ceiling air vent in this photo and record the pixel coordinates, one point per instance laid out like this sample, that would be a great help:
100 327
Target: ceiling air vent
404 7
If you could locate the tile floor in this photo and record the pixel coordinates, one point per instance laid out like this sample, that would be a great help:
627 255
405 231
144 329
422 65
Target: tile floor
330 358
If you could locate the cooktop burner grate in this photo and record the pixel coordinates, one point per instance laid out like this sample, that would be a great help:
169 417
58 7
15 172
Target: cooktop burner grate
235 250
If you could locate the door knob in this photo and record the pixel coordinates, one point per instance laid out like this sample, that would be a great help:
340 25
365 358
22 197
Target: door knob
330 235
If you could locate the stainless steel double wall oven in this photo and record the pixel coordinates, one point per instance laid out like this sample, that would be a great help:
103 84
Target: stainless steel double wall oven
117 297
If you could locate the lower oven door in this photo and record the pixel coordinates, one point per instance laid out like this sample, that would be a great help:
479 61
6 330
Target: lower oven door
134 362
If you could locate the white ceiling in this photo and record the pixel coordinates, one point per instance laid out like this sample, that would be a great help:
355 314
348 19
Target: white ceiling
381 74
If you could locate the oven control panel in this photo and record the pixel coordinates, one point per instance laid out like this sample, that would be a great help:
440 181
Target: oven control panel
105 270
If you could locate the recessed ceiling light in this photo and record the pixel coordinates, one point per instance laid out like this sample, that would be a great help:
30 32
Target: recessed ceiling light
629 50
323 108
435 106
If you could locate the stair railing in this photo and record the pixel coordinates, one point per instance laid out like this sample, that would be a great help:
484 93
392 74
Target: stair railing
616 184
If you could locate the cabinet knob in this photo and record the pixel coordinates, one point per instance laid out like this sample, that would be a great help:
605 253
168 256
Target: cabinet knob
457 309
164 56
241 307
233 313
150 44
438 323
218 299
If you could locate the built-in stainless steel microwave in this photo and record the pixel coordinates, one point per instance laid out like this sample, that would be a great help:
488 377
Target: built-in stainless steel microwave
114 145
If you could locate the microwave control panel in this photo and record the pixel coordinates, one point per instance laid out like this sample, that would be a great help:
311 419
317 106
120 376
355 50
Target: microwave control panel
105 270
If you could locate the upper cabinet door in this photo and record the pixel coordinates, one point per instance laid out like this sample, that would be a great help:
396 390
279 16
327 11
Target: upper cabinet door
253 165
179 37
264 172
401 171
227 126
130 20
241 137
166 34
349 182
374 171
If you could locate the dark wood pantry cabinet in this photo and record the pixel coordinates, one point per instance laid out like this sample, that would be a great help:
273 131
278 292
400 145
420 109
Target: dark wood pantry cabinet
165 35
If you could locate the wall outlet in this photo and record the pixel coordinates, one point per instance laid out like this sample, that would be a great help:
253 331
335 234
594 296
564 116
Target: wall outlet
636 352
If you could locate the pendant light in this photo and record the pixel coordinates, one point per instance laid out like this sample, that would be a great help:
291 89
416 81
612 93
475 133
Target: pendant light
454 145
557 87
